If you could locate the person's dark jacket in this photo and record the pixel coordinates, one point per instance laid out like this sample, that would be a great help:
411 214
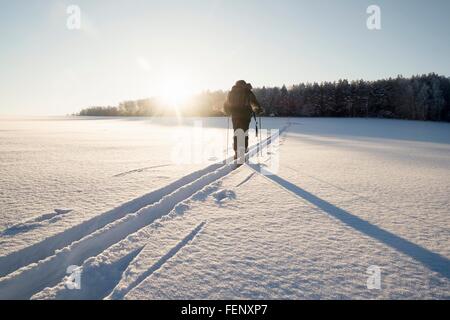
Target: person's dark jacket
241 103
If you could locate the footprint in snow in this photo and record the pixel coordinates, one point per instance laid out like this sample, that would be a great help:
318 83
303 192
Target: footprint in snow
181 208
224 194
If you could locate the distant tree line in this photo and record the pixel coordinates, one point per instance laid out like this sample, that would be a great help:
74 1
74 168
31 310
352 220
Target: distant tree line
425 97
203 104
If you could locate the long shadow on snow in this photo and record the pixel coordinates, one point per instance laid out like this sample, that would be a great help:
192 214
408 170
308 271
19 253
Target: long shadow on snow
432 260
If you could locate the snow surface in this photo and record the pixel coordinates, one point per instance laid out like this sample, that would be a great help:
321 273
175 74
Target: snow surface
105 194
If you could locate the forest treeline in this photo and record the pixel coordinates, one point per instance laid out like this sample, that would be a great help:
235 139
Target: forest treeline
424 97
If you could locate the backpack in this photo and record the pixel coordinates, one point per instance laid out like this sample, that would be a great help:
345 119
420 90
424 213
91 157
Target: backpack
239 102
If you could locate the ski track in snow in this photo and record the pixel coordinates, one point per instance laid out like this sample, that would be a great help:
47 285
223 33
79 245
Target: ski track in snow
35 223
98 278
121 264
115 264
48 246
91 238
247 179
35 277
140 170
120 292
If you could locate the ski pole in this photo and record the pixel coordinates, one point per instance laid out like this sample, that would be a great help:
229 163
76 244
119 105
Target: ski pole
256 123
256 127
228 133
260 139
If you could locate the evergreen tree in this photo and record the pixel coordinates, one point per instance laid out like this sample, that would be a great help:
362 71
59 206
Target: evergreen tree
425 97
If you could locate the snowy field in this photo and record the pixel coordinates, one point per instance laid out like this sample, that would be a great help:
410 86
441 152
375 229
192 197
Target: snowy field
144 221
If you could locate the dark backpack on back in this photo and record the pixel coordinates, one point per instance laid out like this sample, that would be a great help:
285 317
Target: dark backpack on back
239 102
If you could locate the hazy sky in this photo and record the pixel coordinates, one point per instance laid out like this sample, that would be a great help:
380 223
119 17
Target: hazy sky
129 49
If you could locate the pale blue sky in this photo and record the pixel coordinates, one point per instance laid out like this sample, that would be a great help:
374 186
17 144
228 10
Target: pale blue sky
129 49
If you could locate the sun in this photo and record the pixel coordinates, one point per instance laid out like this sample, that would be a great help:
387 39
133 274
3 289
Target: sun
175 91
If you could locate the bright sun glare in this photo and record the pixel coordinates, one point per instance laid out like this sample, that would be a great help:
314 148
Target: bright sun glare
175 91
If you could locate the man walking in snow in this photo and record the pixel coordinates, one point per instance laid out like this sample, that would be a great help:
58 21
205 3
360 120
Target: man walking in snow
241 104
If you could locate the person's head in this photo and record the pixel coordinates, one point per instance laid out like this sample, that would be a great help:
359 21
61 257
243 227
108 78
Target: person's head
249 86
241 83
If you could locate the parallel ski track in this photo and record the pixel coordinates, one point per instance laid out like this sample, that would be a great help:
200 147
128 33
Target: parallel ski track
47 247
120 293
98 234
